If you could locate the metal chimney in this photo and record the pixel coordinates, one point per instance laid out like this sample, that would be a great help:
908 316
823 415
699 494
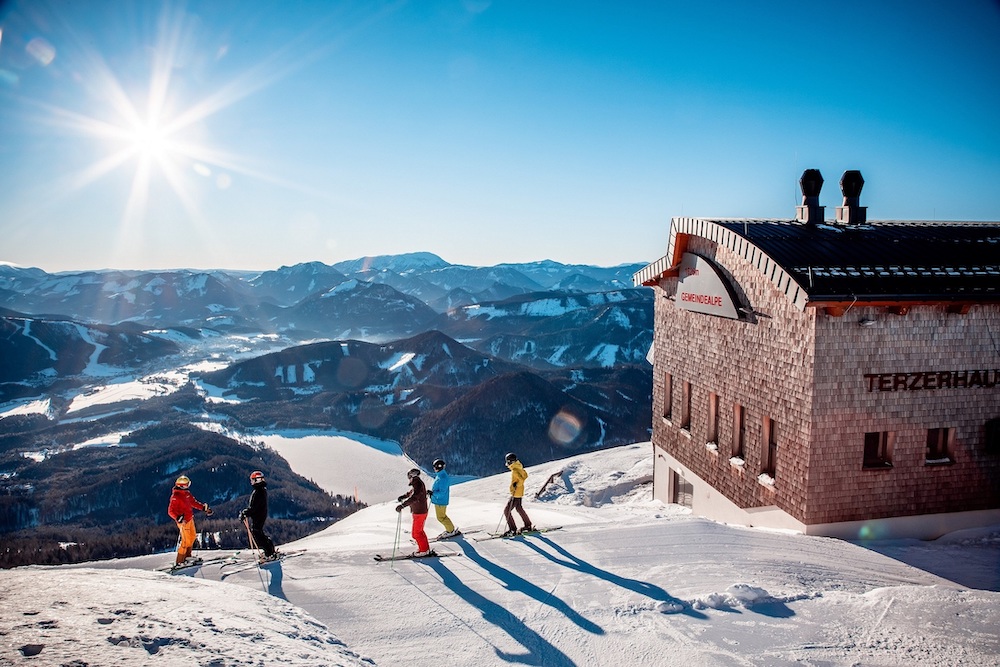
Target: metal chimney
852 213
811 213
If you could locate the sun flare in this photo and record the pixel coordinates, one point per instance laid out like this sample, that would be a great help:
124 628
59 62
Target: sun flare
150 141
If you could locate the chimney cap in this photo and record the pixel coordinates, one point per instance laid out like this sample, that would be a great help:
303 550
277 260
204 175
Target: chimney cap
851 183
811 183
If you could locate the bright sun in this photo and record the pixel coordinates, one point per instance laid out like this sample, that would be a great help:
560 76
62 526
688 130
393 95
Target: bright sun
150 141
154 132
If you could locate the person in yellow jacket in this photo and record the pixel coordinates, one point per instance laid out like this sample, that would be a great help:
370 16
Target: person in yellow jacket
517 476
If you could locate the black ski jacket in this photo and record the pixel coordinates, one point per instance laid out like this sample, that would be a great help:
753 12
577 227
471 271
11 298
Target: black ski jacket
257 509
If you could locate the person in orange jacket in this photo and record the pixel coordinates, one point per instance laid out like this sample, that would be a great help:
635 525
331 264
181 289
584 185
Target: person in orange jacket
181 509
517 476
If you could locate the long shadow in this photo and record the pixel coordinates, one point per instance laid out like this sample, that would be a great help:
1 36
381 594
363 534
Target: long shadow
277 576
975 565
641 587
513 582
540 652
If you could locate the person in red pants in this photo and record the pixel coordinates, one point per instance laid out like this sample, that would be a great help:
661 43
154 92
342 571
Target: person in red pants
416 500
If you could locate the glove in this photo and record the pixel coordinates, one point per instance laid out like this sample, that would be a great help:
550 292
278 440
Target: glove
513 485
243 515
399 508
208 511
180 521
430 494
401 498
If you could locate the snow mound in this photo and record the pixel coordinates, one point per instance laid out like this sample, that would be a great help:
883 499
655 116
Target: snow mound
615 478
737 595
101 617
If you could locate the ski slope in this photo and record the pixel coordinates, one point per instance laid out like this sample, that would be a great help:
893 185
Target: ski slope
626 581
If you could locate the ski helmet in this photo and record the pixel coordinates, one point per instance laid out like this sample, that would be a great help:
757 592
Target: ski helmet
256 476
414 472
439 464
510 458
182 482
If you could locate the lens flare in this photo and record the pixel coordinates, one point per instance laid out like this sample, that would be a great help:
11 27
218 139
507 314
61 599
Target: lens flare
372 412
564 428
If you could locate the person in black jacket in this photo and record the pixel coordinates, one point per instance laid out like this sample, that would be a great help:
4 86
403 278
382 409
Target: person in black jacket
256 513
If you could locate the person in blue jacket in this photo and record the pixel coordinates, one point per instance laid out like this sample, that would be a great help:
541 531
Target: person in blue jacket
440 494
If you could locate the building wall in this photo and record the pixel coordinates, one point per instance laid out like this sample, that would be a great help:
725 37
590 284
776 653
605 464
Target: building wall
765 366
806 370
926 339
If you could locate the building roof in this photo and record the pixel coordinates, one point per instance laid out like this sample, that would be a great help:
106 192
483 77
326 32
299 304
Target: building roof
875 261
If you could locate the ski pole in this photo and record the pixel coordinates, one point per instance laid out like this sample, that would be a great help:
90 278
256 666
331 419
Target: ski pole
253 545
395 544
500 522
253 542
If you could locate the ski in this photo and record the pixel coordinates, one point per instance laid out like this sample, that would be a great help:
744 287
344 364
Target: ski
505 536
244 566
281 555
434 554
198 563
452 537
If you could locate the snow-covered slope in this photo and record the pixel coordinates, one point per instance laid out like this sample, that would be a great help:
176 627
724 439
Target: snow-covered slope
626 581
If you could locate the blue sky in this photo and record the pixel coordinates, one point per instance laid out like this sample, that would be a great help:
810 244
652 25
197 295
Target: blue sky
252 135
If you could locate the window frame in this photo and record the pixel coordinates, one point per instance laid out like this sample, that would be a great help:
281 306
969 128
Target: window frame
769 448
940 444
686 392
739 431
668 396
712 433
882 443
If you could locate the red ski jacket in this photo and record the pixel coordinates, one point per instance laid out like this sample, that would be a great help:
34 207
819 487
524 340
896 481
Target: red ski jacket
183 505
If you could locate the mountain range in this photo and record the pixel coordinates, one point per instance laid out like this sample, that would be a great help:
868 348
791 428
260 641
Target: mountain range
446 360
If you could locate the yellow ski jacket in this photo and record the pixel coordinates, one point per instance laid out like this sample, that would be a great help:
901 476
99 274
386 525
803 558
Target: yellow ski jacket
517 476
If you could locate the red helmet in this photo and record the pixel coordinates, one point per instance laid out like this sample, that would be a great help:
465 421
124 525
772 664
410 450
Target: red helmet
256 476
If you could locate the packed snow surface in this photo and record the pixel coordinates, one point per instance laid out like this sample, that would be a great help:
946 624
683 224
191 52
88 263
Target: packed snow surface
625 581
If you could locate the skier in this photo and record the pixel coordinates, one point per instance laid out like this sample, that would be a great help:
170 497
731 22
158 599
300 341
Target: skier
416 500
181 509
256 513
517 476
439 495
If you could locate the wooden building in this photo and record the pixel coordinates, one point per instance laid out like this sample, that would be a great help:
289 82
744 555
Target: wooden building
833 377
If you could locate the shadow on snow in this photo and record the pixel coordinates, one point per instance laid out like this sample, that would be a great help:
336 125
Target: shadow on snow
540 652
566 559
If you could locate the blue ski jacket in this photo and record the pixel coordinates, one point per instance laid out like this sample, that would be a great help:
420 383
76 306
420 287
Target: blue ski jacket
441 489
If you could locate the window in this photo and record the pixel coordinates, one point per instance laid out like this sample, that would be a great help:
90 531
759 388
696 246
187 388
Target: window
713 417
683 490
686 406
739 430
668 395
769 455
939 442
992 429
878 449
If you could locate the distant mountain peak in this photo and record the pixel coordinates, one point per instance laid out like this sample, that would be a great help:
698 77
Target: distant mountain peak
397 263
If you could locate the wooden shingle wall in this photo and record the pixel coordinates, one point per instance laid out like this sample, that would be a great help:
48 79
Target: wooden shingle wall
806 370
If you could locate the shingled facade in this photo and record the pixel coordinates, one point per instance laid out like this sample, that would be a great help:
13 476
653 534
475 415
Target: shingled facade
835 377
